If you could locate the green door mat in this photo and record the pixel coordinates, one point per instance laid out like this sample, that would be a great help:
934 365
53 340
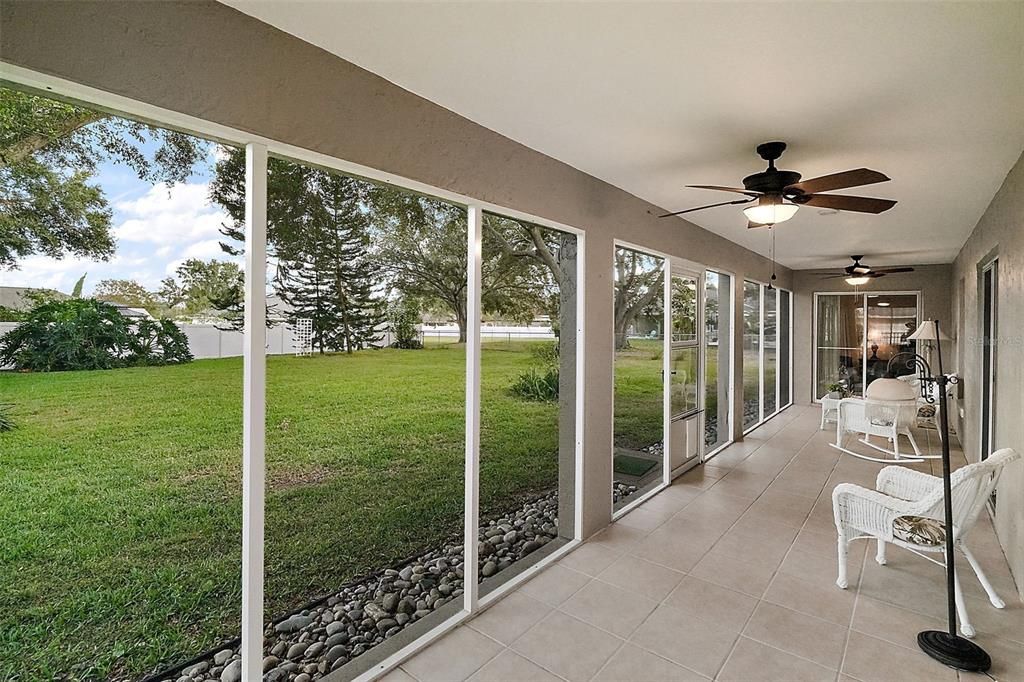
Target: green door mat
633 466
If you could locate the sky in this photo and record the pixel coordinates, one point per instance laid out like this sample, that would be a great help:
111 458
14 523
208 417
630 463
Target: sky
156 228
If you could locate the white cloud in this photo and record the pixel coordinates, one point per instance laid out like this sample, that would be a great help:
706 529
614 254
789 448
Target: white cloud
158 225
169 216
42 272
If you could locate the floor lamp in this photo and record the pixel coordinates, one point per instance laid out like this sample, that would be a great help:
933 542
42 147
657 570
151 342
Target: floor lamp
946 647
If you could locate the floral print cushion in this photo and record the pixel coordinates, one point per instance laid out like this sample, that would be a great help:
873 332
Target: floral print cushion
919 530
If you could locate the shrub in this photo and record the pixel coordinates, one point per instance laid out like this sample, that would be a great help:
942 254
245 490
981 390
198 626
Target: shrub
83 334
157 342
545 353
6 420
10 314
539 385
404 315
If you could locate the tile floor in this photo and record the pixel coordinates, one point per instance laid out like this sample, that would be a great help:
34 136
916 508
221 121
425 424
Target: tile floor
729 574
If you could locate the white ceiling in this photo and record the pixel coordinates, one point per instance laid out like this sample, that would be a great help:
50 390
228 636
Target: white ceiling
654 96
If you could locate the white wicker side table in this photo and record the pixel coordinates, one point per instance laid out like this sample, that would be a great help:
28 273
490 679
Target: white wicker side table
829 411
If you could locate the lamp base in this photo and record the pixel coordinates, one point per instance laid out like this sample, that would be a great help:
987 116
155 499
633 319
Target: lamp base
954 651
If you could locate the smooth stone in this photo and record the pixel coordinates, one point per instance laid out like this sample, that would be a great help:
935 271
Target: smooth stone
334 653
297 650
314 649
489 569
390 602
374 611
334 628
232 673
294 623
270 662
222 656
197 669
334 640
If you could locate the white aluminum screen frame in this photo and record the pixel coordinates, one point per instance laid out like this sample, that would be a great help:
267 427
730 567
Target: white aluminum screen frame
731 384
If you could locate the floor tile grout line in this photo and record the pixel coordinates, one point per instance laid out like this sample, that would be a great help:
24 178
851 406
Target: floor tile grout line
622 640
853 612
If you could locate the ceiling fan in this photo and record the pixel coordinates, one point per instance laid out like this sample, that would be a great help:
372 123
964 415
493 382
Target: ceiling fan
858 273
779 193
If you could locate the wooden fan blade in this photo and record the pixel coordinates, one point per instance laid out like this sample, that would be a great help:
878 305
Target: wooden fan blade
738 190
701 208
751 225
841 202
836 276
851 178
890 271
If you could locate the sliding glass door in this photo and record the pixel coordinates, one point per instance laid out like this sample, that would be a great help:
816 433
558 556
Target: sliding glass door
857 334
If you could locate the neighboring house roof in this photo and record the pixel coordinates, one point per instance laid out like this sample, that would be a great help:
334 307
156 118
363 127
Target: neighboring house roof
127 311
16 299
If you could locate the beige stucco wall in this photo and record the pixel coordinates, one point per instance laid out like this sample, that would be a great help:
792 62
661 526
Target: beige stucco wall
932 281
209 61
1000 232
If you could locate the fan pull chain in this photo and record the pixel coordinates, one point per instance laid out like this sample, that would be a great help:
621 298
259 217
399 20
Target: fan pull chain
771 282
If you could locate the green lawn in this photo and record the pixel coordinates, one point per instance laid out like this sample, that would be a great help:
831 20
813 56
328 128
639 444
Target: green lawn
120 497
639 397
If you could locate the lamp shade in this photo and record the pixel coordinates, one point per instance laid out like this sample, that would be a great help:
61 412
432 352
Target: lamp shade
769 211
929 331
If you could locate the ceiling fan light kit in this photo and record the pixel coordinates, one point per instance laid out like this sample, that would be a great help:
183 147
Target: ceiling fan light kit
770 210
857 274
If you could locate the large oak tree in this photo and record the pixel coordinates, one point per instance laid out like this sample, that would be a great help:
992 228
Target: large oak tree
49 153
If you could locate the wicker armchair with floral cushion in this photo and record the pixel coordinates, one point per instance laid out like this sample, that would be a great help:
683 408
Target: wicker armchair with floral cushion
906 509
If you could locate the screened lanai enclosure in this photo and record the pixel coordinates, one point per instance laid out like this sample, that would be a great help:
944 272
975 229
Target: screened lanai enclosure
342 411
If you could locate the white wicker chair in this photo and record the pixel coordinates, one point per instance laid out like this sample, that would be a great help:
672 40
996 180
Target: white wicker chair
906 509
889 411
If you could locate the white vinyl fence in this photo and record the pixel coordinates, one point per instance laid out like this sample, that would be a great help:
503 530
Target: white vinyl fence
208 341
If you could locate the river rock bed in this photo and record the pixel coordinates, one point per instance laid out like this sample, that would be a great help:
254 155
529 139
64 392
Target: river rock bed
311 643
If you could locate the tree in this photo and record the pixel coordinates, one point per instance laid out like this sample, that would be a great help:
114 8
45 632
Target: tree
331 277
48 152
638 284
126 292
76 292
403 315
203 285
421 242
287 203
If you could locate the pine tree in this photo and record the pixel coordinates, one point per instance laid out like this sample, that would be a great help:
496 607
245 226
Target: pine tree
330 279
